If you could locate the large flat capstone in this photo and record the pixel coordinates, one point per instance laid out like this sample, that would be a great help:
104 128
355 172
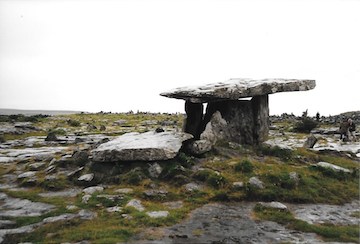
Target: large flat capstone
149 146
235 89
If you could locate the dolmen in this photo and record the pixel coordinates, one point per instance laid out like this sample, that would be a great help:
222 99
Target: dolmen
230 115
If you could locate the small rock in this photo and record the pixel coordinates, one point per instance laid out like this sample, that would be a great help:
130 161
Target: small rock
85 198
155 170
111 197
254 181
158 214
159 130
135 203
155 193
190 187
114 209
86 177
333 167
28 174
295 177
274 205
124 190
127 216
102 128
238 184
86 214
71 207
36 166
173 205
199 147
75 173
51 136
92 189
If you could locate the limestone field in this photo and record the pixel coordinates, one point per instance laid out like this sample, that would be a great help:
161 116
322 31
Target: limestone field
138 178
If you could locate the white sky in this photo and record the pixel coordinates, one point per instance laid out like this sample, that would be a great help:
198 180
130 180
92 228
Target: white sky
119 55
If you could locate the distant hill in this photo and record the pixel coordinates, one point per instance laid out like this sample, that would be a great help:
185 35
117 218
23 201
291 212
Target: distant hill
6 111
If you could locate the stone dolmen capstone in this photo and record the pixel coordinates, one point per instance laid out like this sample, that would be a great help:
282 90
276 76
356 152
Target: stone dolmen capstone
247 121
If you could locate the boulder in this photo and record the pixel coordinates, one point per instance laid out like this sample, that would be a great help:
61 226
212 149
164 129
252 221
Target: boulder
215 129
51 136
149 146
310 142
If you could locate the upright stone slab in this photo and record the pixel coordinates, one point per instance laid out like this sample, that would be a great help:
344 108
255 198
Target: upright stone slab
247 121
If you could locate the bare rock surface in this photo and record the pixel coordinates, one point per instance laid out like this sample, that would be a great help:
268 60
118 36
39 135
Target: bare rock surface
16 207
147 146
328 214
228 223
234 89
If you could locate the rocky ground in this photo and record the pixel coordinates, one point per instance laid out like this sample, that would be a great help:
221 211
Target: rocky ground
52 191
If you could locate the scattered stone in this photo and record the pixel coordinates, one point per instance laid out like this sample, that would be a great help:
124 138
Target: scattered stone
112 198
238 185
157 214
124 191
114 209
51 137
255 182
92 189
155 193
155 170
310 142
127 216
295 177
86 177
173 205
333 167
135 203
199 147
75 173
85 199
71 207
87 215
274 205
29 174
149 146
191 187
36 166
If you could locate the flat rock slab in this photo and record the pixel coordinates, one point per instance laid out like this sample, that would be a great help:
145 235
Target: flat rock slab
234 89
147 146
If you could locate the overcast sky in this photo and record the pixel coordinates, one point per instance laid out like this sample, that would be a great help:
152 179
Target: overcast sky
119 55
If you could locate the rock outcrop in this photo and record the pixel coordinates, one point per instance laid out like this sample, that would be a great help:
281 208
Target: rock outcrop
149 146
